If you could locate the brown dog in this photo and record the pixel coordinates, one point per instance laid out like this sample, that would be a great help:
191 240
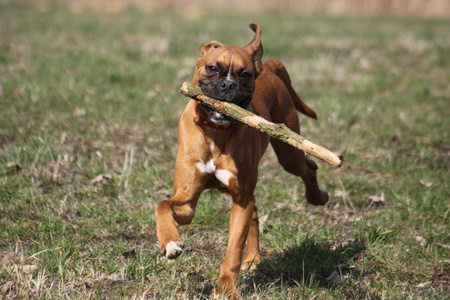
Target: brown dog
217 152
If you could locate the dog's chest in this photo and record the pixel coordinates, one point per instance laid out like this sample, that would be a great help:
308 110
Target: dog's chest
217 165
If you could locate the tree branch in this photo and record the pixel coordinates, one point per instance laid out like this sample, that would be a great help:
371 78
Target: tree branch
274 130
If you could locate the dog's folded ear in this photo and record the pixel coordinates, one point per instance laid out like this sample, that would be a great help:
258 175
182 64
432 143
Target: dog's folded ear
255 48
204 51
208 47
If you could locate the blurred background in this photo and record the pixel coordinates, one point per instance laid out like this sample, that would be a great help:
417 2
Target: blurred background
417 8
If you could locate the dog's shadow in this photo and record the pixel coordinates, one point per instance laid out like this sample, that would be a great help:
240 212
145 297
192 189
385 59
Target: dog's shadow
308 263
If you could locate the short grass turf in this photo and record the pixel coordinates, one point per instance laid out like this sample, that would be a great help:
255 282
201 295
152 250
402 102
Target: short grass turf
89 105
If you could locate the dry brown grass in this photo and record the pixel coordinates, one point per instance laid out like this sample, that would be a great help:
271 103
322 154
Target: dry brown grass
89 94
416 8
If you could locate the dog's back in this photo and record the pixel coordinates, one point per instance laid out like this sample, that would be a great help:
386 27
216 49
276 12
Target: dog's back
275 66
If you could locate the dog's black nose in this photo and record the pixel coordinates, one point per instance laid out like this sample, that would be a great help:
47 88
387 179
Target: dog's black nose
227 85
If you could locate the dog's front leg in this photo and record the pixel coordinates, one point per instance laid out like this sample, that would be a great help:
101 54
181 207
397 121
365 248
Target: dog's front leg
252 254
169 215
240 220
180 209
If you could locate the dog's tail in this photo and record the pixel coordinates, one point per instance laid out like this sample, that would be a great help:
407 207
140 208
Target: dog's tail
277 67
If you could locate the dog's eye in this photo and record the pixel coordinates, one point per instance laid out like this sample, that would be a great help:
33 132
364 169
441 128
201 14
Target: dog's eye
245 75
212 69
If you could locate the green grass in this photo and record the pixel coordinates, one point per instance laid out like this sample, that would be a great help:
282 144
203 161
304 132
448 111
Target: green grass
86 94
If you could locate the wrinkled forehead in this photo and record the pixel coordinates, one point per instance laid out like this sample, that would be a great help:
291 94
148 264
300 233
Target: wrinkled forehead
227 55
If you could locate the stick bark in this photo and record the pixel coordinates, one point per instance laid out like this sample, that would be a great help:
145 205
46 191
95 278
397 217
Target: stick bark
274 130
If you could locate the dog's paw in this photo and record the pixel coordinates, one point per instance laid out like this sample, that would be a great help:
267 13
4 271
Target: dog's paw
325 193
317 196
216 294
248 266
251 264
173 249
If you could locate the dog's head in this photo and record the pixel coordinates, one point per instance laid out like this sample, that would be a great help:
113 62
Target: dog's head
228 73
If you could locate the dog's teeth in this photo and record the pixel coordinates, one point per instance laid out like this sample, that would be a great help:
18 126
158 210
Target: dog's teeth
173 250
217 115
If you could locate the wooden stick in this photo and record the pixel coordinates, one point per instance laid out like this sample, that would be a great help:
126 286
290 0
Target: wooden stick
278 131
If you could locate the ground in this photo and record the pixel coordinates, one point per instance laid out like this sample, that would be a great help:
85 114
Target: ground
89 105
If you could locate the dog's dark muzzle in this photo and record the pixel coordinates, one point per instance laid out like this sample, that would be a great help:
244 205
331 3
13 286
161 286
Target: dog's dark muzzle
227 86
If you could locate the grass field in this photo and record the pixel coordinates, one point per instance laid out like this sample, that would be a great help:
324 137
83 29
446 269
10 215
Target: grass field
89 106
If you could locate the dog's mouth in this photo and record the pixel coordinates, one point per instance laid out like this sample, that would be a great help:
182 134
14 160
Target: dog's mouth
221 119
237 97
216 117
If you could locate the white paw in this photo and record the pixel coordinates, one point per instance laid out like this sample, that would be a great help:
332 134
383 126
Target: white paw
324 192
173 249
248 267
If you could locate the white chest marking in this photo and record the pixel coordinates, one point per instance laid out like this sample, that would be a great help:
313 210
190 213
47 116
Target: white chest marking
229 70
223 176
209 167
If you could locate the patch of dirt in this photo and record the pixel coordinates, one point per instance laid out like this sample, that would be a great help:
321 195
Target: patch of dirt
9 259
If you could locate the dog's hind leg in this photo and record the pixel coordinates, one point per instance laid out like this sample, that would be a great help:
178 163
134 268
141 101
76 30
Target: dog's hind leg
290 158
275 66
295 162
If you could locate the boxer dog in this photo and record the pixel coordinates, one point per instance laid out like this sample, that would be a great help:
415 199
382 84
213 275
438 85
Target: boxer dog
215 151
